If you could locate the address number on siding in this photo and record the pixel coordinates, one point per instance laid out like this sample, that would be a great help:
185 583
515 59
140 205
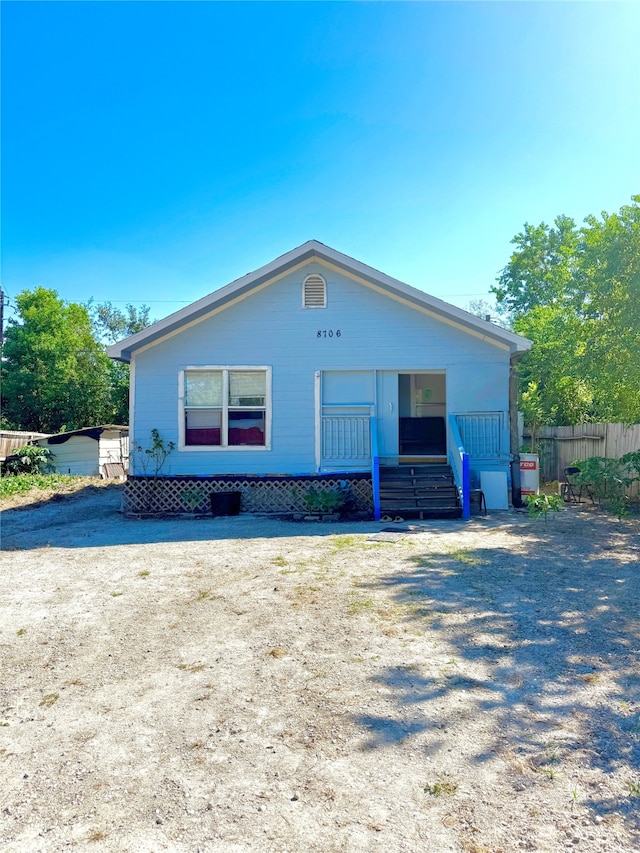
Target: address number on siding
329 333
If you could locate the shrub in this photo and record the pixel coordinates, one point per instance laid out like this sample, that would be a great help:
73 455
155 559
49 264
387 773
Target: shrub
320 500
30 459
610 481
541 505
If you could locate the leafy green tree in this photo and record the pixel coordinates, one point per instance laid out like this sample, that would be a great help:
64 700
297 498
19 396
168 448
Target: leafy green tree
111 324
483 308
576 293
55 374
541 269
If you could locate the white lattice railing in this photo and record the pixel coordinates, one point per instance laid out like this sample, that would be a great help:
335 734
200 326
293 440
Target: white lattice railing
346 439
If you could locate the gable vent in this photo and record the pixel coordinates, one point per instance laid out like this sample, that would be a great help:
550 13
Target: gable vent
314 292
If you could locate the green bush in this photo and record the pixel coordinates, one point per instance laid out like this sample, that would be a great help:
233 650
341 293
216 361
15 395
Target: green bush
610 481
541 505
320 500
30 459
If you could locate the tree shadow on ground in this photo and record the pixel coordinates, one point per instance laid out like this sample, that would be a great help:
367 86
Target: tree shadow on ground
91 517
543 632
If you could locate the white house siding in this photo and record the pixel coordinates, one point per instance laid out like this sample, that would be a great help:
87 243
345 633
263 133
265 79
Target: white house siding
271 328
78 455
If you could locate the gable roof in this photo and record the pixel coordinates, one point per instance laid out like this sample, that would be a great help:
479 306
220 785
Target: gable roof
313 250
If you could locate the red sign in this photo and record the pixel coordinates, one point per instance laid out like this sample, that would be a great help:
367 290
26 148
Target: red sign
527 464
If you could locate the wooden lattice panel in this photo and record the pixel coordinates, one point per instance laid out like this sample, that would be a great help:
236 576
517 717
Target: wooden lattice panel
263 494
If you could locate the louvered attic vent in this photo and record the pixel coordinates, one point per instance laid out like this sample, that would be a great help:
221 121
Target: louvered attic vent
314 292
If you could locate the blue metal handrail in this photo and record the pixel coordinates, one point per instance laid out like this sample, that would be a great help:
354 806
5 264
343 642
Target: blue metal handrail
459 461
375 467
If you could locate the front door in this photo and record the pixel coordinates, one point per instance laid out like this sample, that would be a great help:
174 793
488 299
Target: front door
421 415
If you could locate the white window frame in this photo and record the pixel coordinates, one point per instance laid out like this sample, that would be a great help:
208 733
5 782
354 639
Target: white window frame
304 289
225 369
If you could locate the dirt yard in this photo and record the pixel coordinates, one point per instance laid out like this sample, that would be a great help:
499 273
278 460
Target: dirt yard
246 684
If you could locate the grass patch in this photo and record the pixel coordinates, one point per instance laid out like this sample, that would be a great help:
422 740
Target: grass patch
441 788
17 484
467 557
422 562
634 789
280 561
21 632
49 700
345 541
359 605
144 573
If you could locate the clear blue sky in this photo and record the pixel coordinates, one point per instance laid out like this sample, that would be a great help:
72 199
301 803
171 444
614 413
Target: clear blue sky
152 152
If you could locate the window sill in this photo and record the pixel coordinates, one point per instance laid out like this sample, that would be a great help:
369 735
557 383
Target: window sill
215 448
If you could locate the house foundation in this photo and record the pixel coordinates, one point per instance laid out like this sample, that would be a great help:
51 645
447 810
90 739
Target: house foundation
263 494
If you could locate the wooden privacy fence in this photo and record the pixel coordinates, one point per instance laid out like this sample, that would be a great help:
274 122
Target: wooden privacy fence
560 446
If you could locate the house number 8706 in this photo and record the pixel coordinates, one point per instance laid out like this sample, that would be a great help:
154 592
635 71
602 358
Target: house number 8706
329 333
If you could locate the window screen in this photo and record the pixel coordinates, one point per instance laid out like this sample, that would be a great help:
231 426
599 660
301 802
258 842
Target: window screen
203 388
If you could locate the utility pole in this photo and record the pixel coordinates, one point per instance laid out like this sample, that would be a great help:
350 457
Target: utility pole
4 300
2 304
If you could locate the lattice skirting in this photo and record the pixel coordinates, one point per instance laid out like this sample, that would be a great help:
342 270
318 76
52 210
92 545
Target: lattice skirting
258 494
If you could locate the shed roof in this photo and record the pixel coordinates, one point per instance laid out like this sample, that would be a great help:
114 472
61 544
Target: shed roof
310 251
90 432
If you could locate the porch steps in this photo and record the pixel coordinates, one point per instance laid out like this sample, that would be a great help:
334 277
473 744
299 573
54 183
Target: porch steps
419 491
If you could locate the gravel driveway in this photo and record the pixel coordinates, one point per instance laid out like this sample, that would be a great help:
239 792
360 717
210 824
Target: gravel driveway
246 684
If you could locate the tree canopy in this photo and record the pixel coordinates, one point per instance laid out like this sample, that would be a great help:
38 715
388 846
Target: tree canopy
55 372
576 293
111 324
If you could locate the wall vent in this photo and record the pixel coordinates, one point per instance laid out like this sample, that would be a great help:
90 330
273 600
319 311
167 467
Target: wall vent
314 292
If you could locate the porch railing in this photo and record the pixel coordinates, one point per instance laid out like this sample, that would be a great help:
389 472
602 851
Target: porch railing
346 439
459 461
375 468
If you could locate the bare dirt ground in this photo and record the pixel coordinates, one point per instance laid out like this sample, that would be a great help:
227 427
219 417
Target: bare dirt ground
249 684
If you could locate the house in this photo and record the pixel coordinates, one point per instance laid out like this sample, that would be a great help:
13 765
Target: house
101 451
318 369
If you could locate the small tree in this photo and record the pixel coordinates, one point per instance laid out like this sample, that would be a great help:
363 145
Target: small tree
541 505
533 411
151 459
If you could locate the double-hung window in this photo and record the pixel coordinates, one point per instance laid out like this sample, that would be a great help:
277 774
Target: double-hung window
225 407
